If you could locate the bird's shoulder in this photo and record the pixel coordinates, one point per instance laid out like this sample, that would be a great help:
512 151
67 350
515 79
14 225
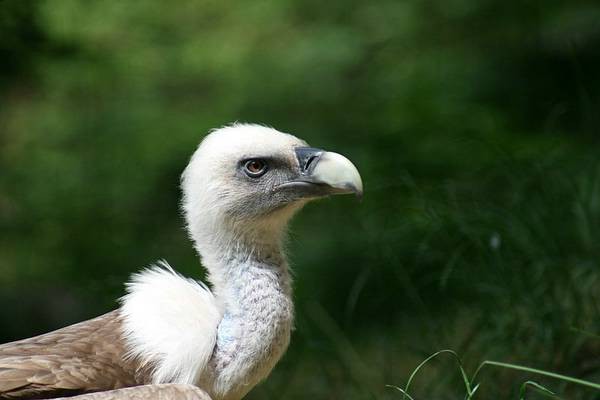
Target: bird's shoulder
79 358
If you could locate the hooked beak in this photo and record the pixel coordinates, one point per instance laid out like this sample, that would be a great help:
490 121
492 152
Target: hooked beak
323 173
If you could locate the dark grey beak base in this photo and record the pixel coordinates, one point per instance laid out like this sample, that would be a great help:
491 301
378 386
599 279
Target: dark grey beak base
323 173
307 158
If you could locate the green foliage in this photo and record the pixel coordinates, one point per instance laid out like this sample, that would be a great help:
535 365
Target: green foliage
474 125
471 387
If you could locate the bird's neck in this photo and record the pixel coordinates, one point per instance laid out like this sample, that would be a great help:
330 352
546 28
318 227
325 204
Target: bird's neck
252 284
232 255
243 268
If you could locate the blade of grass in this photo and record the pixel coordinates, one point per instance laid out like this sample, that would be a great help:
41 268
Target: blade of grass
431 357
536 371
536 386
401 391
471 390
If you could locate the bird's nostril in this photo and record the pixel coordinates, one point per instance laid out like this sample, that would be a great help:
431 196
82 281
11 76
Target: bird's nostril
307 158
309 162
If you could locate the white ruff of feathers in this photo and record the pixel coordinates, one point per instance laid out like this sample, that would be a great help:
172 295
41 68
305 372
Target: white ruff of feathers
228 342
170 323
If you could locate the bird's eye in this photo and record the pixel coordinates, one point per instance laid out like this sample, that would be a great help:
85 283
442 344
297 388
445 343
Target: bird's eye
255 167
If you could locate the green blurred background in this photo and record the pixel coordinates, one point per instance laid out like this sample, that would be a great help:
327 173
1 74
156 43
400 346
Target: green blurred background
475 124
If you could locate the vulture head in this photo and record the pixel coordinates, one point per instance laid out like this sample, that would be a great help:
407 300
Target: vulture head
247 181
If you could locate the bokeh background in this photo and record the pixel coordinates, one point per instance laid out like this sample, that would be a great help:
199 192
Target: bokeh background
475 124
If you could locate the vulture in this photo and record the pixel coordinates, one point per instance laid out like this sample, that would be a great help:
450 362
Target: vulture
176 338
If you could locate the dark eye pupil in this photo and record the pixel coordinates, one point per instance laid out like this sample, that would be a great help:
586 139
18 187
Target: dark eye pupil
255 168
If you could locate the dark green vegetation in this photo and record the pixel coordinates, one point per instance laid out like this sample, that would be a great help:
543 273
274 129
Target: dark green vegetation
475 124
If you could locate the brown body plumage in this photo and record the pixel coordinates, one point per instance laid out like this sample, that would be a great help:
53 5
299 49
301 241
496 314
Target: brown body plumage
165 391
80 358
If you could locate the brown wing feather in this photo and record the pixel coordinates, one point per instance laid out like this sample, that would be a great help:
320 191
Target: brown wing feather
168 391
85 357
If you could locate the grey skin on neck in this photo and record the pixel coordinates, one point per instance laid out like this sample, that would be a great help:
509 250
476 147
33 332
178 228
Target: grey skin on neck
252 284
